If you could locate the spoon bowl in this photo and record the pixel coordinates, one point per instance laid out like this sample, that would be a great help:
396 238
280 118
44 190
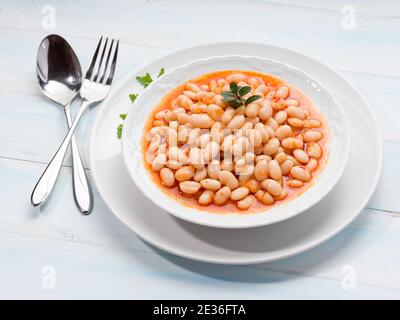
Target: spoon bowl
58 70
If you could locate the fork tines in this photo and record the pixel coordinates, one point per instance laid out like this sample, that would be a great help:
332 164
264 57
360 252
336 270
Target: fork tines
102 69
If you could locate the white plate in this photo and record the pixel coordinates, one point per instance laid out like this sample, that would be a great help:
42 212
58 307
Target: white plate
339 141
241 246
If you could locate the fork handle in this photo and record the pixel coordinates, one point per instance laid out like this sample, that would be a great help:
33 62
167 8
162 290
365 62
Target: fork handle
48 178
81 189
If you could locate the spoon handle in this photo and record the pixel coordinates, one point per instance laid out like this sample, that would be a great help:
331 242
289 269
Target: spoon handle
81 189
48 178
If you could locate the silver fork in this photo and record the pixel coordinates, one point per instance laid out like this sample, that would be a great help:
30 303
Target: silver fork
94 89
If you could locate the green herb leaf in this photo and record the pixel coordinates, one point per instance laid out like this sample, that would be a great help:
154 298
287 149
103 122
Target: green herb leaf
122 116
236 103
145 80
251 99
228 96
133 97
119 130
234 87
243 91
161 72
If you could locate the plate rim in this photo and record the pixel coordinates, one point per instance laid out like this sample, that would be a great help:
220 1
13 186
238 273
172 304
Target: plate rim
304 247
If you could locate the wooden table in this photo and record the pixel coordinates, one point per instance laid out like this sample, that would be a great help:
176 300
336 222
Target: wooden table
54 252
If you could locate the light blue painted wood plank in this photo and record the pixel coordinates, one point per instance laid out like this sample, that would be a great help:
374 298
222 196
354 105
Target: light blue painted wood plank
32 126
18 62
386 8
386 196
88 272
310 30
96 256
57 231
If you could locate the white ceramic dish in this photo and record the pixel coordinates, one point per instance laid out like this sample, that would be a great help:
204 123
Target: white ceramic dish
241 246
339 144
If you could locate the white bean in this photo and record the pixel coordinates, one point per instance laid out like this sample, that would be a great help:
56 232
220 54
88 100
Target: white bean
213 169
299 173
281 117
295 112
264 197
174 164
184 101
239 147
211 151
203 140
271 147
228 179
245 203
183 133
198 107
301 156
280 157
200 174
283 132
239 193
278 104
286 166
314 150
196 158
162 114
265 111
292 102
296 123
227 144
167 177
312 135
235 77
274 170
189 187
261 170
159 161
211 184
252 110
184 173
282 92
227 165
292 143
215 112
222 196
263 157
272 186
295 183
255 137
253 185
154 143
237 122
228 115
206 197
272 123
192 87
311 123
183 118
202 121
312 165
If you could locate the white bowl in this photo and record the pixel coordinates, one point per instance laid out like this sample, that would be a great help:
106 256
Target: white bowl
339 143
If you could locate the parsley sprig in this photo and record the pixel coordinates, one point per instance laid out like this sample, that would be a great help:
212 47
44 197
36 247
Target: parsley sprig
144 81
234 97
133 96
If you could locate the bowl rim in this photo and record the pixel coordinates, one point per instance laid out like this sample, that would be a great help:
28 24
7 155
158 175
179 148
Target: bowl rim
221 223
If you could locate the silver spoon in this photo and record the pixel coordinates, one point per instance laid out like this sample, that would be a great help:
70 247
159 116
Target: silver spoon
60 78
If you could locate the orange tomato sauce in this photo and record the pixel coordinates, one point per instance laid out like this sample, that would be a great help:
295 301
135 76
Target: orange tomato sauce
230 207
